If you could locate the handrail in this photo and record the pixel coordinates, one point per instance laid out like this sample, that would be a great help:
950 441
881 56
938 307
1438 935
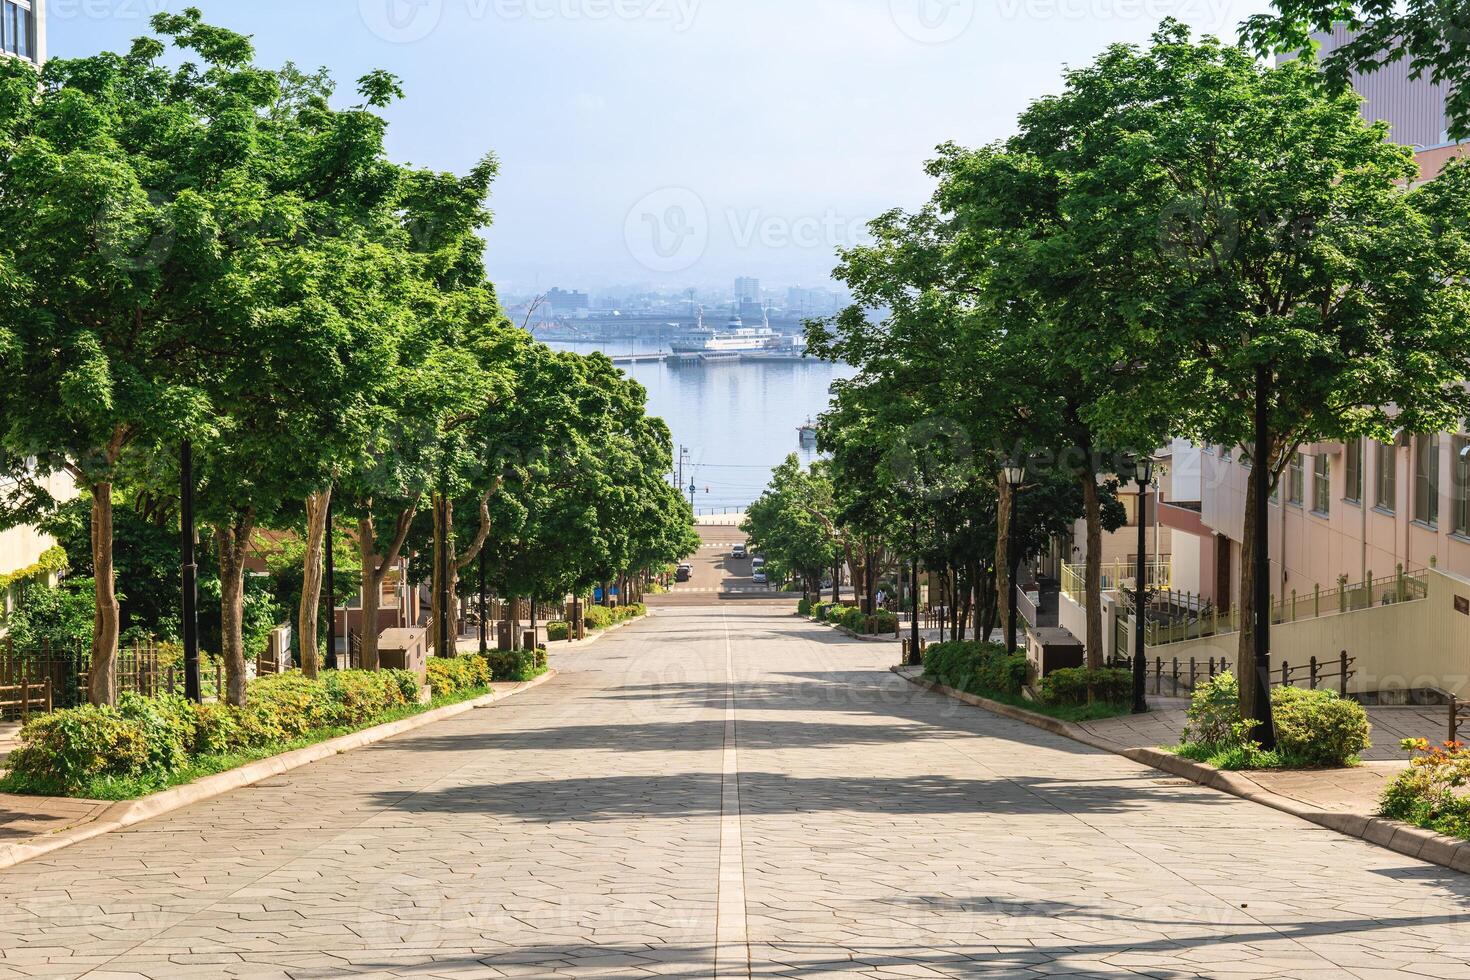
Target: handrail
1204 618
1114 575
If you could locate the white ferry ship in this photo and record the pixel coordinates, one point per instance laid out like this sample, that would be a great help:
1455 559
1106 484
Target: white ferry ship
736 340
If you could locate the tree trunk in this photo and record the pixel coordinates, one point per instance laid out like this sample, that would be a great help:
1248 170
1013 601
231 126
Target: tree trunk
1245 667
988 613
102 677
232 543
372 591
1092 584
309 612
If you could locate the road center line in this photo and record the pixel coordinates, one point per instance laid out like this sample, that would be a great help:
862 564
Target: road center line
732 943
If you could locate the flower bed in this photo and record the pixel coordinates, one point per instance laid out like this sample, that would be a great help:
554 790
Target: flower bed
1314 729
1430 793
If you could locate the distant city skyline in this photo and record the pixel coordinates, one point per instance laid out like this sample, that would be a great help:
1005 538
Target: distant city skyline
680 143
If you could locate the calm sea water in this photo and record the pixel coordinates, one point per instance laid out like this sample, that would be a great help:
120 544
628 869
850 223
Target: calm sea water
737 420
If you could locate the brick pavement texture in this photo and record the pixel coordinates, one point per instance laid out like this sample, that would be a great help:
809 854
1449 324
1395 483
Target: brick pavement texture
884 831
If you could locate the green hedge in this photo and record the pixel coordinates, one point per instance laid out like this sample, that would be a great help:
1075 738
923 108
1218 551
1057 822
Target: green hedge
601 617
804 607
1313 728
557 631
976 668
852 618
1069 685
152 737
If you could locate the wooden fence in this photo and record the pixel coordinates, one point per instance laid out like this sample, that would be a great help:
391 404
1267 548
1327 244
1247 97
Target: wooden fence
142 668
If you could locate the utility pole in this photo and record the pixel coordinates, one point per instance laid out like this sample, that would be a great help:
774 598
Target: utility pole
331 591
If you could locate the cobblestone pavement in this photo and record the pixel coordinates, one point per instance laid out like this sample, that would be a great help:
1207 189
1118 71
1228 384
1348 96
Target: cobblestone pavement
730 791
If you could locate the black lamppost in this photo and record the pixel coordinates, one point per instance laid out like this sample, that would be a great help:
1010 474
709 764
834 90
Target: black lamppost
189 574
1015 474
1140 470
916 658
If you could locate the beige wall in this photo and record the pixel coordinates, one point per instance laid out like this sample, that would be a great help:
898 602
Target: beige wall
1309 549
1405 646
21 547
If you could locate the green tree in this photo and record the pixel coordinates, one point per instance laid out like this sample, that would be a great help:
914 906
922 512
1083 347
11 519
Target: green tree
1245 237
112 178
1433 36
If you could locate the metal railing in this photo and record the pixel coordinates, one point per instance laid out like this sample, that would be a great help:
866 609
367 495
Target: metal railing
1196 619
1115 574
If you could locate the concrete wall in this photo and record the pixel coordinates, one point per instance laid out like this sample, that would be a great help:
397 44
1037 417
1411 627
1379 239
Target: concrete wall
1404 646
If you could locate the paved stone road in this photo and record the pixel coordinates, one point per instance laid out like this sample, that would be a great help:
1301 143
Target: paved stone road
730 791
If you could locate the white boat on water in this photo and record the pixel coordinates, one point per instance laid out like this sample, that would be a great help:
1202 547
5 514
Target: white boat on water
737 340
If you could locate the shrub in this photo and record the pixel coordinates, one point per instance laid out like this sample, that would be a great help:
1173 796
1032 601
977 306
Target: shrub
975 667
1313 728
886 622
216 729
804 607
597 617
283 708
516 666
557 631
453 675
1214 712
62 750
408 683
360 695
1070 685
1318 727
168 726
1429 793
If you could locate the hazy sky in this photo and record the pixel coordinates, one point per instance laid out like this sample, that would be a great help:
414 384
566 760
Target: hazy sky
681 142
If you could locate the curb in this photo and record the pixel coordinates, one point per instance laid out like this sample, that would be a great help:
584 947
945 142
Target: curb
1402 838
866 637
570 645
125 813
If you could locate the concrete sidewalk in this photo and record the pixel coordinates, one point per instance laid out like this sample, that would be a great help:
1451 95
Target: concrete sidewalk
1346 799
1354 791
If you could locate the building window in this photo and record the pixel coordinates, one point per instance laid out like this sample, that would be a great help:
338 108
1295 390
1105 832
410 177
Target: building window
1460 485
1354 489
1322 484
1426 479
17 29
1388 477
1295 478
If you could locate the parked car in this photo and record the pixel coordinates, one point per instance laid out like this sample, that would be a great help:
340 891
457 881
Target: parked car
683 573
759 578
738 551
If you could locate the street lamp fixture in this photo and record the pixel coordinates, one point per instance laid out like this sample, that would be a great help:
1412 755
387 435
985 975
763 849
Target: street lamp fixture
1141 470
1015 474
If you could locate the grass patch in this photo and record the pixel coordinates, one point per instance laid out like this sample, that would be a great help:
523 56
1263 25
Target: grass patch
1062 712
116 788
1245 758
